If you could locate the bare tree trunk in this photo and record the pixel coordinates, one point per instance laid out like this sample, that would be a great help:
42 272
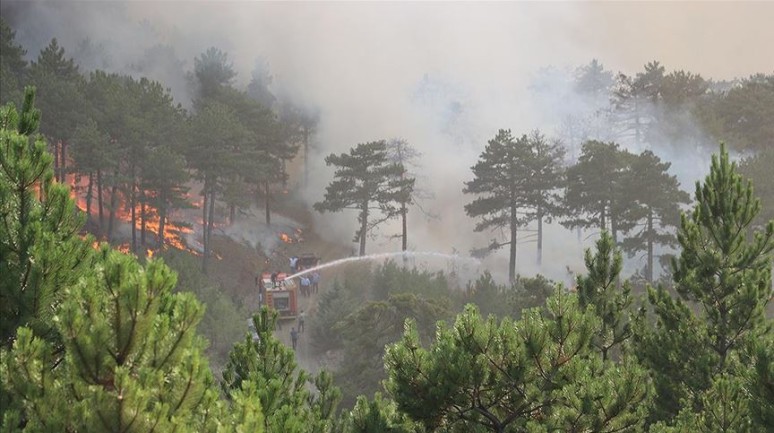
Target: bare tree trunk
514 236
89 192
133 204
268 202
143 216
99 201
162 219
56 160
650 246
113 204
306 156
284 175
63 163
602 219
404 243
211 220
204 225
540 236
363 228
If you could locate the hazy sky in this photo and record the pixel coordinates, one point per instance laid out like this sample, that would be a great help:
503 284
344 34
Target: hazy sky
381 70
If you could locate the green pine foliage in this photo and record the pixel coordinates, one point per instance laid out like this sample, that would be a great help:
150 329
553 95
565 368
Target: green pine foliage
370 328
656 210
501 185
40 252
279 385
596 195
377 415
611 300
131 358
723 279
540 373
12 65
367 181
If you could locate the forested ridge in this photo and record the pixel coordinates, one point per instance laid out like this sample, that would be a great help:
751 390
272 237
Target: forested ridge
97 339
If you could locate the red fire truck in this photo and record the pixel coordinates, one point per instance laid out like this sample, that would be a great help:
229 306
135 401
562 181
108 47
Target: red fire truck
279 294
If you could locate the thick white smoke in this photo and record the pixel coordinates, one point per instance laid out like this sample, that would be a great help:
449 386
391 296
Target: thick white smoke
443 76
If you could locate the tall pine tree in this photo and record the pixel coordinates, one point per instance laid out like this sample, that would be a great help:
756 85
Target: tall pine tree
724 273
366 180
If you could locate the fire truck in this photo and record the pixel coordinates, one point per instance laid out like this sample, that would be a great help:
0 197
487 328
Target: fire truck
279 294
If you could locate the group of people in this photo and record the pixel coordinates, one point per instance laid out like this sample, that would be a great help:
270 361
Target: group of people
309 285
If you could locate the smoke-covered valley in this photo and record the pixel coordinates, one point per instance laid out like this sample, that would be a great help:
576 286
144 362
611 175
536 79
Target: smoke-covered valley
444 77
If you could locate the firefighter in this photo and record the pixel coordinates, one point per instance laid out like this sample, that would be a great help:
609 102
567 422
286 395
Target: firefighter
315 282
294 337
301 318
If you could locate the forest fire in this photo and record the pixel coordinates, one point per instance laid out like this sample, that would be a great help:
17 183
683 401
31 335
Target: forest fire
147 219
285 238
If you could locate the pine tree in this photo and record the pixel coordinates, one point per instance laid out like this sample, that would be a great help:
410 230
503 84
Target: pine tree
60 88
367 330
402 153
365 180
377 415
760 381
724 269
601 288
656 207
537 374
501 182
596 194
214 130
39 252
280 386
13 67
132 360
546 177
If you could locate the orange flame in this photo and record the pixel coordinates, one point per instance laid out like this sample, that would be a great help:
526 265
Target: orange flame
173 232
285 238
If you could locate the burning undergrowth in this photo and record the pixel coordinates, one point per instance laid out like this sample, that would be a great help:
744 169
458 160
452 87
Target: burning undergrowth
180 229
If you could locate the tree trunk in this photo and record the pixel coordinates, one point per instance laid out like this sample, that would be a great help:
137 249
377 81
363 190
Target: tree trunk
89 192
133 204
231 214
540 236
205 209
268 202
113 204
99 201
162 219
649 232
284 175
363 227
514 236
602 218
143 216
56 160
636 121
306 156
404 237
63 164
211 220
204 225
